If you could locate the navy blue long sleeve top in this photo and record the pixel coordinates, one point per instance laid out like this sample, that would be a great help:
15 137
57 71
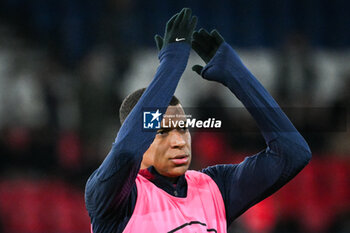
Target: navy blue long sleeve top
111 191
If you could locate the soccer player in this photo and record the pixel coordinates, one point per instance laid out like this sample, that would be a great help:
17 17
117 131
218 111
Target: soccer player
165 196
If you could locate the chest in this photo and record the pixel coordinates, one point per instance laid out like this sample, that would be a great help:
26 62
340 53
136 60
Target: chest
202 210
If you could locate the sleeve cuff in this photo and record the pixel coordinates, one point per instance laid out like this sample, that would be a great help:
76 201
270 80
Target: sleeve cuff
174 48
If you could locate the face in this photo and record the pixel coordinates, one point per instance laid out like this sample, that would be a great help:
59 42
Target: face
170 152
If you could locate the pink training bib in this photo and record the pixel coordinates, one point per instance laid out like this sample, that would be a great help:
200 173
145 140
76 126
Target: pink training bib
202 210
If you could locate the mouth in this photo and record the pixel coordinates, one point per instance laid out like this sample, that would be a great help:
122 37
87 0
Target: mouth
180 159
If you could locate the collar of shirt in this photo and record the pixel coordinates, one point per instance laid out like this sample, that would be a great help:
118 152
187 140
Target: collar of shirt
179 189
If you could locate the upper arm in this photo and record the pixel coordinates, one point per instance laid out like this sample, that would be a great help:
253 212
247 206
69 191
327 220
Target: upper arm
109 187
258 176
242 184
116 221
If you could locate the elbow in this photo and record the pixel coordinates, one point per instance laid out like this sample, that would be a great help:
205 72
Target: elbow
305 157
305 152
296 153
295 160
308 155
300 156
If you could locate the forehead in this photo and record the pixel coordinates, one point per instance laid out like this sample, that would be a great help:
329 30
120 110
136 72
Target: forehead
173 114
174 110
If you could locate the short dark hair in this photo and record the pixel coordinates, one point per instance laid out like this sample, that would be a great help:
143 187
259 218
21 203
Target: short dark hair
131 100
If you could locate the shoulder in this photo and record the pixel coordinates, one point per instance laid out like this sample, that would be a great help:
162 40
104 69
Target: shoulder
219 170
197 176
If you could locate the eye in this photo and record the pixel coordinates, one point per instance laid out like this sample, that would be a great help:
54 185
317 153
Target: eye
162 132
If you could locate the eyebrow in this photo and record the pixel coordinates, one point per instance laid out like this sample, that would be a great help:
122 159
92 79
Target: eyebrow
165 129
171 128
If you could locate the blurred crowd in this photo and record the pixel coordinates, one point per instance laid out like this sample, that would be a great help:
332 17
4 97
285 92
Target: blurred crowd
62 66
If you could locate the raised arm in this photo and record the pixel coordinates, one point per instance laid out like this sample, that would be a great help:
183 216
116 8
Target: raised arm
109 187
243 185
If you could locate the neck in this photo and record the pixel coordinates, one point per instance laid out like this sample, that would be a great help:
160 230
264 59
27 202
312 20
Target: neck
172 180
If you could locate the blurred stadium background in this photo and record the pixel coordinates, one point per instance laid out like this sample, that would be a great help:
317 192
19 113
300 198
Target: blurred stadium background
66 65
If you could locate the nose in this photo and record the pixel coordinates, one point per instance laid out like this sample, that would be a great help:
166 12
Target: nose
177 139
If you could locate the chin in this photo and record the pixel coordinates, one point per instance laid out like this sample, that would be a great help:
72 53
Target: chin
178 171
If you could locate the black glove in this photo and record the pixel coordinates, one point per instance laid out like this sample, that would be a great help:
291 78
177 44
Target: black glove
205 45
178 29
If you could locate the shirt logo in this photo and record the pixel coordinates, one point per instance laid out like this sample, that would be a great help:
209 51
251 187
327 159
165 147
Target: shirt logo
193 226
151 119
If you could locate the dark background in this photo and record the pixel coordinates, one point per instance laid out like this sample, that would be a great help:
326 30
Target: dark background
64 66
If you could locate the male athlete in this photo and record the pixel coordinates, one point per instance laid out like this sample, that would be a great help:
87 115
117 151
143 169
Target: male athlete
165 196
